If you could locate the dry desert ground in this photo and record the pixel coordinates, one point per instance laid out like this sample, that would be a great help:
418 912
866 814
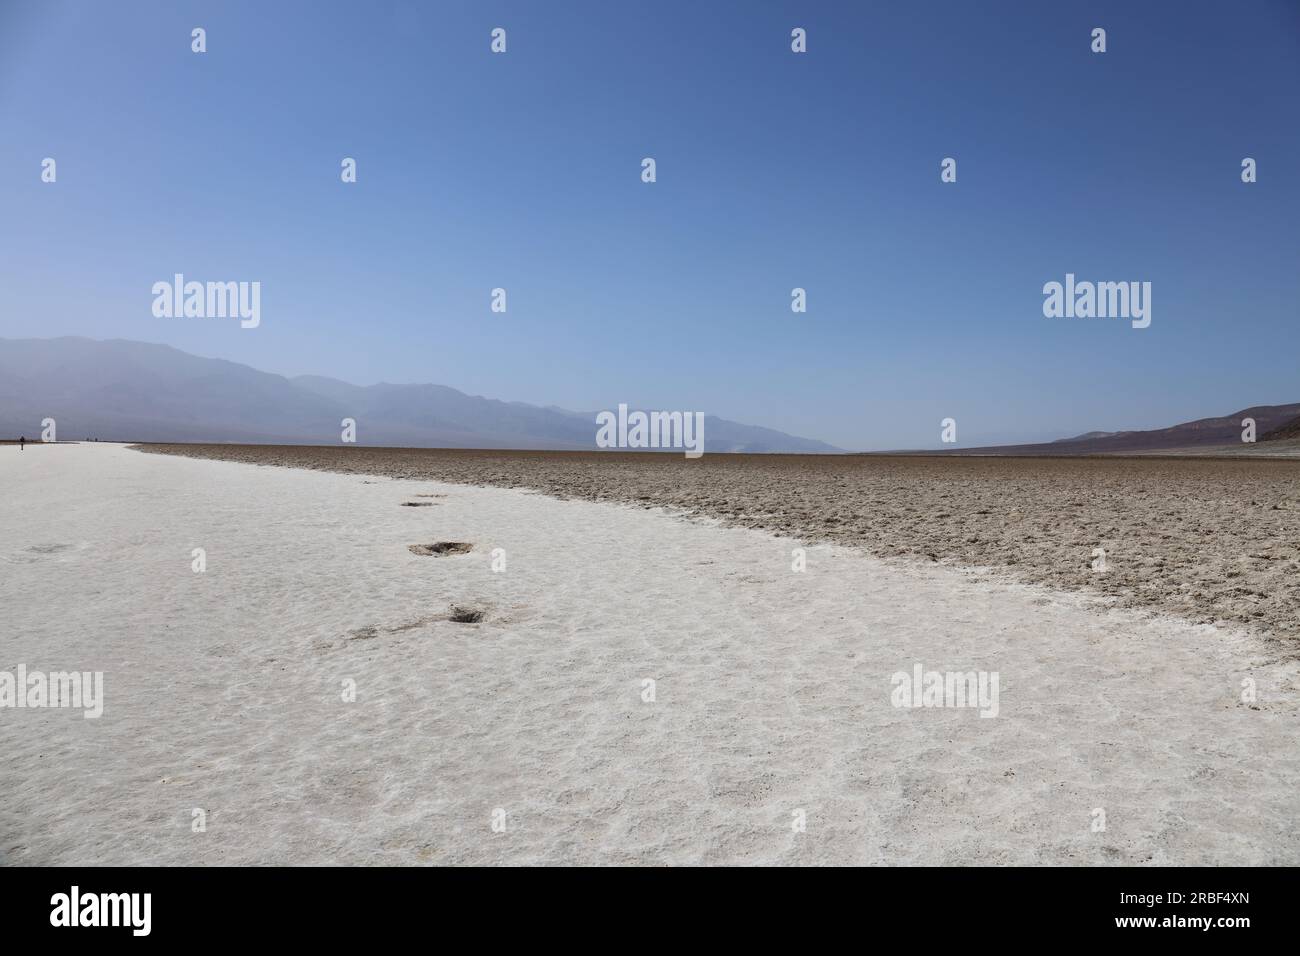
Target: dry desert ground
1204 539
406 657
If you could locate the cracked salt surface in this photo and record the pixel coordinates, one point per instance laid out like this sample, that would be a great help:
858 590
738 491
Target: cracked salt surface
224 690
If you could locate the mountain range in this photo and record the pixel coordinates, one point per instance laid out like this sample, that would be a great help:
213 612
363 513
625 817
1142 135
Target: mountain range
1220 435
119 390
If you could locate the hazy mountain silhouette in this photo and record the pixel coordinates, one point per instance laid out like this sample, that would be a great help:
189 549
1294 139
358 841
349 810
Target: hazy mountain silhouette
136 391
1272 422
1283 432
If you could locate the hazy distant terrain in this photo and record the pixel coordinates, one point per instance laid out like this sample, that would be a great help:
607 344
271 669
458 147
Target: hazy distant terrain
1277 428
136 391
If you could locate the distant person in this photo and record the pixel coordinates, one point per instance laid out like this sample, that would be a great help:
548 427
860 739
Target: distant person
22 442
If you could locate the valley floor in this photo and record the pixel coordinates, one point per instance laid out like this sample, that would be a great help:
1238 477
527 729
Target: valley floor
1207 540
309 698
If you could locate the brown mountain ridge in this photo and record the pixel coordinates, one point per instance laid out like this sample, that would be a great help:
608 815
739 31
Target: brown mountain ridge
1273 423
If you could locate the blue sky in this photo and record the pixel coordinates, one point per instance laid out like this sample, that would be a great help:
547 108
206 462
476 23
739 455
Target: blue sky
775 170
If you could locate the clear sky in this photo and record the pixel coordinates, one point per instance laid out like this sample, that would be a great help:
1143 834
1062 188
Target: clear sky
775 170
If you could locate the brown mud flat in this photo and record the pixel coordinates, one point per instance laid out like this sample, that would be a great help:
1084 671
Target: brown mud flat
1208 540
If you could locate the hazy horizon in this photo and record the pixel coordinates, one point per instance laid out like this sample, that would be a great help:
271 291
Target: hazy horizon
775 170
633 405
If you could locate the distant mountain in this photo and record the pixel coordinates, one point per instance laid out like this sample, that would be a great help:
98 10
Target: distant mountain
135 391
1288 430
1086 436
1272 422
